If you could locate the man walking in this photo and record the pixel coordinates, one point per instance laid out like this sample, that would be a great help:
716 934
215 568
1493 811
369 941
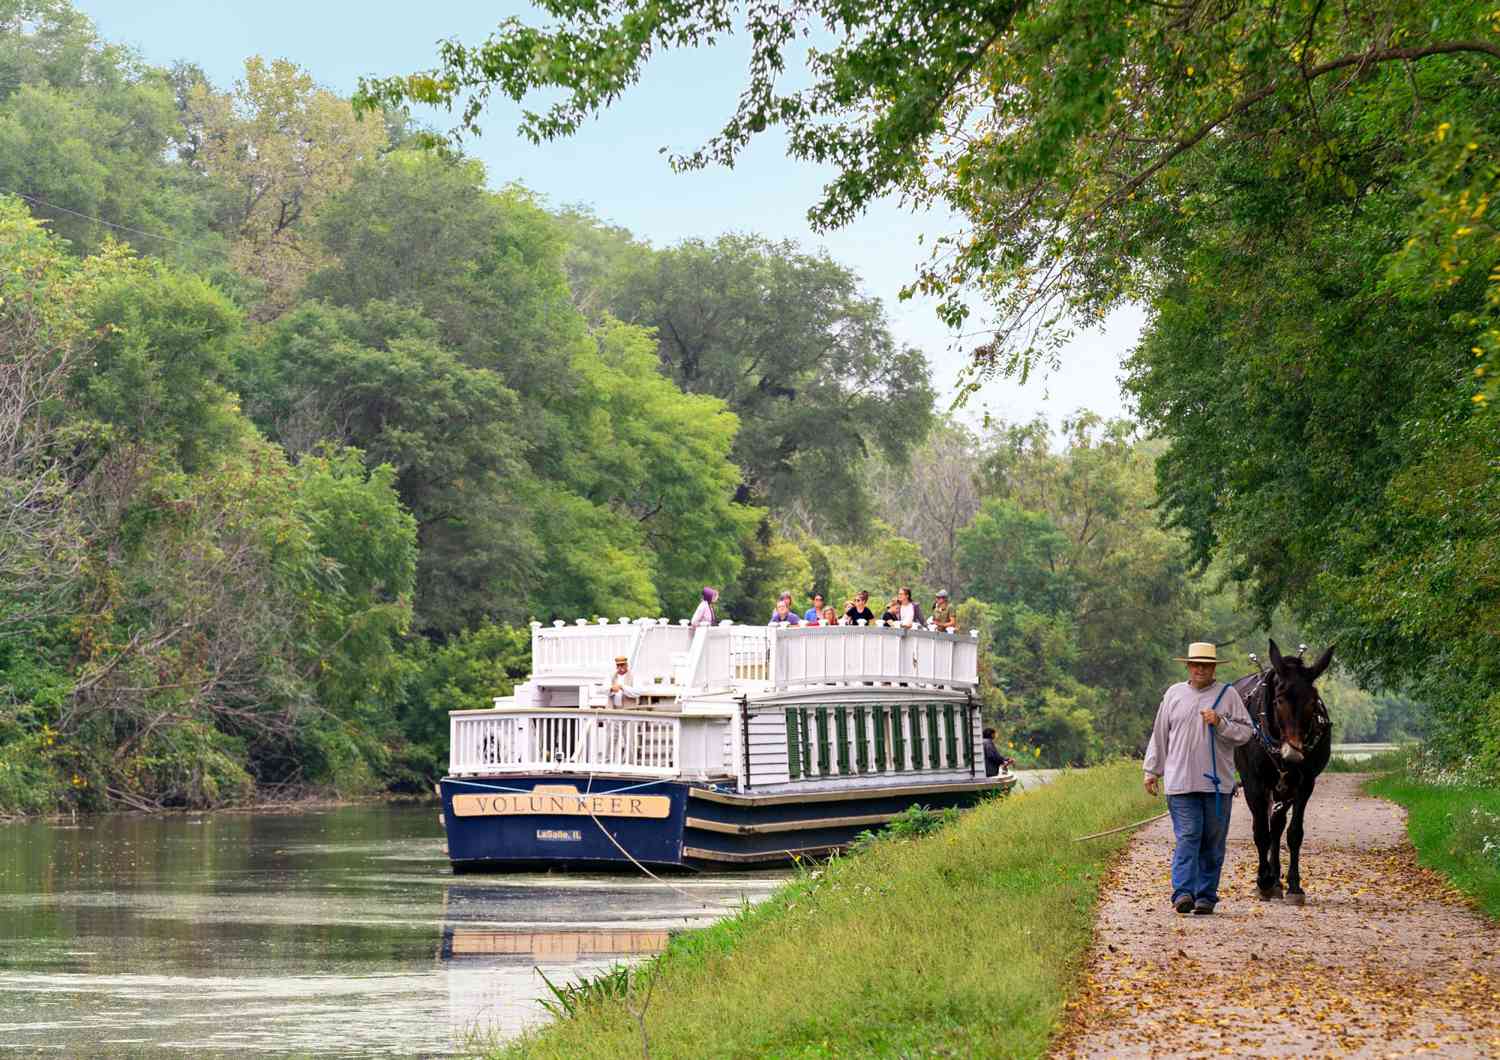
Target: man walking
1198 725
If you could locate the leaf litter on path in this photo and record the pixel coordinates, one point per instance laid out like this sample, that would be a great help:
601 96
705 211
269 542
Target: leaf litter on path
1385 959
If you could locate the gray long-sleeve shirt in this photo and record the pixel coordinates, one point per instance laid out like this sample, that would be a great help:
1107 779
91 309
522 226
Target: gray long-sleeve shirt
1179 749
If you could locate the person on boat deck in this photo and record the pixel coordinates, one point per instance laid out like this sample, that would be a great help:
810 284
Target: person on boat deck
993 759
859 608
908 611
942 614
620 684
784 615
815 612
1188 755
830 617
892 612
705 615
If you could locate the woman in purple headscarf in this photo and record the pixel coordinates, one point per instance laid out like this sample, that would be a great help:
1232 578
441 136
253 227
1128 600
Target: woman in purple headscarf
705 616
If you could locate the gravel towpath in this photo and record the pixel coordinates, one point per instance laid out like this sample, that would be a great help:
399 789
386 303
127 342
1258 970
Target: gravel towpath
1383 960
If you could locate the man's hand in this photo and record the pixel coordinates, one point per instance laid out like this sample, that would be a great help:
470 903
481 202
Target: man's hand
1151 783
1210 716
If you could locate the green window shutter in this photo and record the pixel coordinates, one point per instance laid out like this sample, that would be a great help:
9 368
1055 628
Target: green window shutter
804 730
861 740
793 745
934 740
841 728
825 758
914 717
898 740
952 721
968 740
880 758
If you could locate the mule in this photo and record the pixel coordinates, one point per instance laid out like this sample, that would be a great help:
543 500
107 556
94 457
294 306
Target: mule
1280 765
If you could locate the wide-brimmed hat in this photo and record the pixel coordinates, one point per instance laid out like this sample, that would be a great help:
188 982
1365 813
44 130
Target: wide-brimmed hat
621 659
1200 652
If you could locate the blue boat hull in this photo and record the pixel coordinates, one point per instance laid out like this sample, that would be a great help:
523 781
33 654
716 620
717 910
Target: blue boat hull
510 824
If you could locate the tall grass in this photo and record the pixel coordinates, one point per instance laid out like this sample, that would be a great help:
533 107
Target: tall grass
965 942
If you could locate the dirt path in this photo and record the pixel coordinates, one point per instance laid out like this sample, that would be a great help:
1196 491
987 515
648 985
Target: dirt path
1384 960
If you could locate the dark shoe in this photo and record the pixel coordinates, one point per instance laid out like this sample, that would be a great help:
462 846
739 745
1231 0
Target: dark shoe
1183 905
1203 907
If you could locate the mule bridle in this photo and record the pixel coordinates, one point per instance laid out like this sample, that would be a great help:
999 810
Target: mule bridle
1320 728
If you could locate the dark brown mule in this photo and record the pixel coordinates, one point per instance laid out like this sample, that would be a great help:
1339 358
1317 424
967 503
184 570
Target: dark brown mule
1281 763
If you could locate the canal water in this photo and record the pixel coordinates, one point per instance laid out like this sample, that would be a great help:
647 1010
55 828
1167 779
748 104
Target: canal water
333 933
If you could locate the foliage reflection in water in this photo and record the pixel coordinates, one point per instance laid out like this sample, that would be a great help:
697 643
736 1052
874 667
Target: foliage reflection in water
331 933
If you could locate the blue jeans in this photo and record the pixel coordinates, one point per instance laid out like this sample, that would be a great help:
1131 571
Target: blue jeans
1199 856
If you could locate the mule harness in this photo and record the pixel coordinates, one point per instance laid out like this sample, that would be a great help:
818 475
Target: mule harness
1321 727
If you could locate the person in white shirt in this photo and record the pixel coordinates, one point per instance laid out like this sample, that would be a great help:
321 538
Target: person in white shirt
908 611
620 682
1198 725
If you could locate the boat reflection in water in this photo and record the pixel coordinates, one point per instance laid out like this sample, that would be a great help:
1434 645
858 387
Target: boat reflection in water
498 933
548 946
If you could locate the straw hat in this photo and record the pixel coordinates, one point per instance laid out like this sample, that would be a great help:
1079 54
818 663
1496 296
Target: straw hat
621 659
1199 652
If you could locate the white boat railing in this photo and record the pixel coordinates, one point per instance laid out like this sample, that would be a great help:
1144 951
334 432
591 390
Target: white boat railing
819 655
727 656
580 649
622 742
653 662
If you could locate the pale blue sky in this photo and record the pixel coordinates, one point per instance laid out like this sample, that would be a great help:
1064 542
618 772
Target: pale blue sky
614 164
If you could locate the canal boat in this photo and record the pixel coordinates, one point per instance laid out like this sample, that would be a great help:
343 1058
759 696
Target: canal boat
736 745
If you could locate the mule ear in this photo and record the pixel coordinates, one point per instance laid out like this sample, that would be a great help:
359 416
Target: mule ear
1275 657
1321 665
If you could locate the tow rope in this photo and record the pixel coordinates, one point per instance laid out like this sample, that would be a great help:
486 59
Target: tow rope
1213 754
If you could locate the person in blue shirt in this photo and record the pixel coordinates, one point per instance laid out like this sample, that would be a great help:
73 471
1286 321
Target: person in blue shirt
784 615
815 612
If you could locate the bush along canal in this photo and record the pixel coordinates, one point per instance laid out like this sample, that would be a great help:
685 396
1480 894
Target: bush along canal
966 940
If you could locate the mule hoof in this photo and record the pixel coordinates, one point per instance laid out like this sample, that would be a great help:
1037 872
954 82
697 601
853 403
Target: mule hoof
1296 898
1266 894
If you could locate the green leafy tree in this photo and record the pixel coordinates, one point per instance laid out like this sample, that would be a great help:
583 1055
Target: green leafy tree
1060 134
88 130
379 380
804 360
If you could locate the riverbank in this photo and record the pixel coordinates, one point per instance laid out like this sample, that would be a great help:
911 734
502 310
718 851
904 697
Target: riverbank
1455 829
967 942
308 803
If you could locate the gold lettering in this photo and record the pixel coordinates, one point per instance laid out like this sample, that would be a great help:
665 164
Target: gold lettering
606 805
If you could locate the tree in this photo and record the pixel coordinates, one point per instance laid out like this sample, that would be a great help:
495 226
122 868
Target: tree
87 131
157 373
1327 442
1058 131
800 356
282 146
933 498
378 380
43 334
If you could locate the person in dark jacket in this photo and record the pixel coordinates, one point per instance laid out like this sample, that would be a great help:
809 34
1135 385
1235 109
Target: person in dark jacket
993 759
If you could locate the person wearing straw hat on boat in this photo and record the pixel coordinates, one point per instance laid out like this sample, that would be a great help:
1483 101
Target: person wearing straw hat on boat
1198 725
619 684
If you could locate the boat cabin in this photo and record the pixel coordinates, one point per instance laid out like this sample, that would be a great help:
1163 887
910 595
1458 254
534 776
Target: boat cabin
735 736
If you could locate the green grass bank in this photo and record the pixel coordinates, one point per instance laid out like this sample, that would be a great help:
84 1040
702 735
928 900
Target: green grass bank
1455 828
965 942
